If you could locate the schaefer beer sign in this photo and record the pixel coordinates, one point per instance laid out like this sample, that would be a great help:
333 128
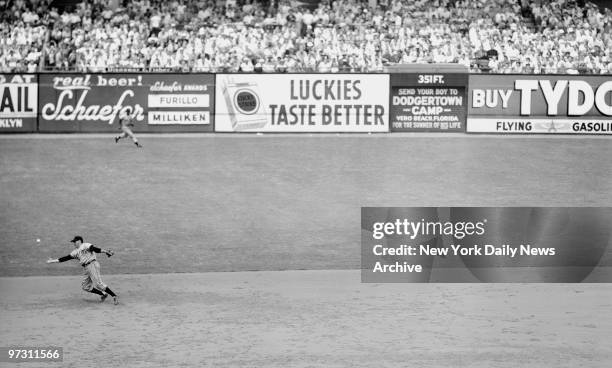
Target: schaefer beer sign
95 102
540 104
302 103
18 105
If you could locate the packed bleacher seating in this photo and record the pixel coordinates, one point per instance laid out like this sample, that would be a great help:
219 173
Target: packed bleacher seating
500 36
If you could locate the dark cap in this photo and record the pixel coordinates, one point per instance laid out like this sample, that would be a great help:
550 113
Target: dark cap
77 237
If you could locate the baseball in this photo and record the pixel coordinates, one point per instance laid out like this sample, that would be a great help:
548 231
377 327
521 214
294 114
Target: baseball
38 240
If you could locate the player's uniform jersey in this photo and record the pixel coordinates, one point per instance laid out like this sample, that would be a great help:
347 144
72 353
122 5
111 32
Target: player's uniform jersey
126 122
84 254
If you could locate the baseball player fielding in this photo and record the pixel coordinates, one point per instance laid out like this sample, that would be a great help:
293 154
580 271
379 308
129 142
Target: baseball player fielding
85 253
126 122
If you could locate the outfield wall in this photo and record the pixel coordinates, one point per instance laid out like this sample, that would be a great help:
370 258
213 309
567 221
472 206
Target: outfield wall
18 103
540 104
428 102
94 102
308 103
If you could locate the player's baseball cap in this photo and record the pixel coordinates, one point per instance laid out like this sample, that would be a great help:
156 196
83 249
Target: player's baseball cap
77 237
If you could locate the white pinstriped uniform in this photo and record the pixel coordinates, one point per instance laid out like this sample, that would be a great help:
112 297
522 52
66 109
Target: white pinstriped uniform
126 123
92 278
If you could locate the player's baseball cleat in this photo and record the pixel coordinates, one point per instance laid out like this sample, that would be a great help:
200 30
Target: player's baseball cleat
116 139
116 300
103 298
138 145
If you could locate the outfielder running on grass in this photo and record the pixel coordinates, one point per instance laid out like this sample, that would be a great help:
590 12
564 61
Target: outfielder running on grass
126 122
86 254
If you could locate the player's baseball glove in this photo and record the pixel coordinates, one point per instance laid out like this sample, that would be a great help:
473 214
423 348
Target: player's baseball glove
110 252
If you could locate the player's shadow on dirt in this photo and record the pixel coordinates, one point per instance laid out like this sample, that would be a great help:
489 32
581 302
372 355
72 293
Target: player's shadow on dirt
109 300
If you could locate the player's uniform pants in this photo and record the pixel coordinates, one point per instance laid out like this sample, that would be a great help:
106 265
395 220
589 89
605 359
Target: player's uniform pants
127 132
92 278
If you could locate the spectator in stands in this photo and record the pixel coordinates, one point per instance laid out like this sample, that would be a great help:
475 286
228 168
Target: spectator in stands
344 35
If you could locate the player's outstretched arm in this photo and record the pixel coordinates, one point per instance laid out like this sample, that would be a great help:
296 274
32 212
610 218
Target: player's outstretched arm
58 260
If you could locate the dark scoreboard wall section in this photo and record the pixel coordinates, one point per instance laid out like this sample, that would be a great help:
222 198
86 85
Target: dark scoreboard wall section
428 102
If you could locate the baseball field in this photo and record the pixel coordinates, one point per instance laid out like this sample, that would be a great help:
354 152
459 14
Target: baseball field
244 250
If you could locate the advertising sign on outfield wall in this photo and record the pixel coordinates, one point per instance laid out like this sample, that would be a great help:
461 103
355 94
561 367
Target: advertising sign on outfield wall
94 102
547 104
428 102
18 105
302 103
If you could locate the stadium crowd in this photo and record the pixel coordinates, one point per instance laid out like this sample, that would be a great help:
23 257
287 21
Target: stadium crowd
501 36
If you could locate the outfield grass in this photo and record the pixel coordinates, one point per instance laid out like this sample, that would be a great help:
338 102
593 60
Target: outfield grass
273 202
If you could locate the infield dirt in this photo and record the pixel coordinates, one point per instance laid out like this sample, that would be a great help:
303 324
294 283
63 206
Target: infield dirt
308 319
